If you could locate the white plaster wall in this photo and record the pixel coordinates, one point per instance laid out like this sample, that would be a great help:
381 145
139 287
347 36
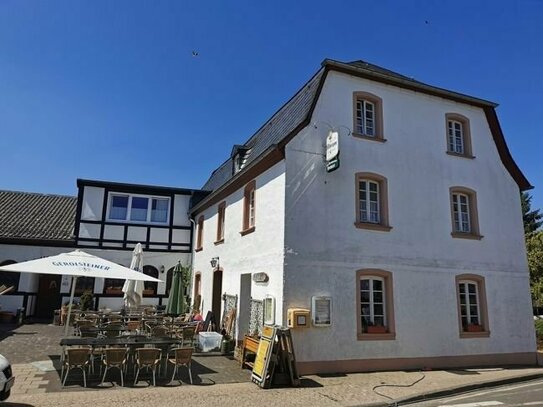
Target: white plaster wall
323 249
93 199
260 251
181 210
27 282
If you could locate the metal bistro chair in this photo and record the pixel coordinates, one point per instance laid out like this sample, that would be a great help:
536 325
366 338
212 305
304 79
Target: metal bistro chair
115 358
148 358
182 357
112 330
76 358
188 333
160 331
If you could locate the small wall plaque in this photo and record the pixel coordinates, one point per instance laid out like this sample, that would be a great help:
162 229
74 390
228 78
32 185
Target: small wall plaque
260 278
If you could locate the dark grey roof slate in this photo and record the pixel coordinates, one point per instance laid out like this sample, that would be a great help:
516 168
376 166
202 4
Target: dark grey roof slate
25 215
283 122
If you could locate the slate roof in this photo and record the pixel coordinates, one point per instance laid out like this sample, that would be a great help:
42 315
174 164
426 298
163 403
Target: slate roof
299 109
284 121
25 215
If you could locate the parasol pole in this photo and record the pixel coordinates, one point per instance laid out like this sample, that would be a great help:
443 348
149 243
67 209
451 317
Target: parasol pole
67 323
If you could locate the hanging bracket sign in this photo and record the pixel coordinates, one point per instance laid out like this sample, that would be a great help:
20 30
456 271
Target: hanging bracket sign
332 151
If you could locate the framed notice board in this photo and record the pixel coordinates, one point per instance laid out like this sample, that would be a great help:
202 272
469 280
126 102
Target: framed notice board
261 369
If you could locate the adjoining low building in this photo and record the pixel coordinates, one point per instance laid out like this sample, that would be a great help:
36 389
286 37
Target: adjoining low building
407 252
106 219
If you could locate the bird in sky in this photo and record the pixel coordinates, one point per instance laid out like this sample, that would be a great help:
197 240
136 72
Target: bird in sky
194 53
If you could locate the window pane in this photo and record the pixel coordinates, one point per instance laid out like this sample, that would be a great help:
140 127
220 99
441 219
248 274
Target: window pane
378 309
377 285
472 288
365 310
139 209
379 321
364 284
119 207
159 210
364 296
378 297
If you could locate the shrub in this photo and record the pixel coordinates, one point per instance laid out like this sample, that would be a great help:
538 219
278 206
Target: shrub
539 328
86 300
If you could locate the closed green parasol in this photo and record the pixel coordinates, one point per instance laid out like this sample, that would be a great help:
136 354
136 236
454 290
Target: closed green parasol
176 299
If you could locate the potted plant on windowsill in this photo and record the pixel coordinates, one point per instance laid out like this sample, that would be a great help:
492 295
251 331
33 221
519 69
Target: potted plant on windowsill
474 328
113 290
148 291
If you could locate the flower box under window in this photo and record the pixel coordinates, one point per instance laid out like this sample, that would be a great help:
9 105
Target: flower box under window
474 328
377 329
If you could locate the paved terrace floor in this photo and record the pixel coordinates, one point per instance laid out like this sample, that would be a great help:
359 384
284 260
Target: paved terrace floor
34 352
219 381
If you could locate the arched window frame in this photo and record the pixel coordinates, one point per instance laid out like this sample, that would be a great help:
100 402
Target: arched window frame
383 223
200 234
249 208
363 98
481 329
455 193
9 278
386 278
452 148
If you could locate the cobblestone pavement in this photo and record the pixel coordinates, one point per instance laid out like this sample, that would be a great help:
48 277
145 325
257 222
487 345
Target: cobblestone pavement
33 350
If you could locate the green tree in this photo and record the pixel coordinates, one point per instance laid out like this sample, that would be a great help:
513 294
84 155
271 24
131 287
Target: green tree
534 249
532 218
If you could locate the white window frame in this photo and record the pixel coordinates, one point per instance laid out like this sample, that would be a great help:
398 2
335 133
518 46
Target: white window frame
458 211
467 303
361 117
456 142
368 210
371 301
129 208
268 305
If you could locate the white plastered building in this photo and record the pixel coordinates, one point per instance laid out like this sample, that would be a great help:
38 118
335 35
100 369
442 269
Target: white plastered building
414 244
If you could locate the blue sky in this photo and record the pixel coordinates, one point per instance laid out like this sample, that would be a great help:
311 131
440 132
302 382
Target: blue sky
110 90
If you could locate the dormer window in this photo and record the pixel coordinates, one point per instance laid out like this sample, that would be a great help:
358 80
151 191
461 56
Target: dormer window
239 156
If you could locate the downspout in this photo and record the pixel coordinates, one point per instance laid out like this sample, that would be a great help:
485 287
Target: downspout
191 259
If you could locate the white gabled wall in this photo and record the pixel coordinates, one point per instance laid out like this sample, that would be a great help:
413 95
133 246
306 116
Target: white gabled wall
324 249
259 251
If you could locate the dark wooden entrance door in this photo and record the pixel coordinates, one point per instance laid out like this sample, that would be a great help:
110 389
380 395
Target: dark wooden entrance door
217 298
48 299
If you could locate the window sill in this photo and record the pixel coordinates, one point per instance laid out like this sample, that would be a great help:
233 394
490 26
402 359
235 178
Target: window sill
389 336
467 335
372 226
468 156
471 236
247 231
370 138
217 242
198 249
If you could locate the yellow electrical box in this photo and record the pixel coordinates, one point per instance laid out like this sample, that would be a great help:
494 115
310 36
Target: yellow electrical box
298 318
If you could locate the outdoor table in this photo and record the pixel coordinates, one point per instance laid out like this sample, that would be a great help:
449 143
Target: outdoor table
130 341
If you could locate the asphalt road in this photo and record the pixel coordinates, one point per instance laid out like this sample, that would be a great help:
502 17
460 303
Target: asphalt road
522 394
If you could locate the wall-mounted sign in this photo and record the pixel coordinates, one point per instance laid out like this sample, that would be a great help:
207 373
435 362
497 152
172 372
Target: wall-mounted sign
260 278
332 151
321 310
